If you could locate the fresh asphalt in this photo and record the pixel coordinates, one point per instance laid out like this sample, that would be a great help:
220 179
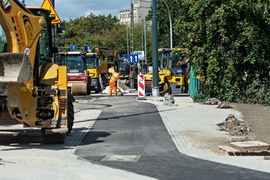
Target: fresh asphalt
134 131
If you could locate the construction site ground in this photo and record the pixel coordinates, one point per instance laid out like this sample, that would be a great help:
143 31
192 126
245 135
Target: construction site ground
192 127
257 118
245 123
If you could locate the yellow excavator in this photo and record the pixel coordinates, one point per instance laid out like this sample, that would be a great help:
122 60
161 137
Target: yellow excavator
34 90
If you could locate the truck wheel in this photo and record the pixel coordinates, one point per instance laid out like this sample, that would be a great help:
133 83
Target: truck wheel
88 88
55 138
98 89
70 116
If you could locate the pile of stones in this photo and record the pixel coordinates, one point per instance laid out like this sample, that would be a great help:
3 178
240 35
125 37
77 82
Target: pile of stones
234 126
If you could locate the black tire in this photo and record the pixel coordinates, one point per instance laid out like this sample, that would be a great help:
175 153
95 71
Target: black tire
55 138
97 91
89 87
98 88
70 116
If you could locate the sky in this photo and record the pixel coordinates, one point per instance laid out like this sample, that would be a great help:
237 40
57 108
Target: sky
72 9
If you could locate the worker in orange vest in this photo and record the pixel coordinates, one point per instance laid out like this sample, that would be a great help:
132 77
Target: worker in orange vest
113 83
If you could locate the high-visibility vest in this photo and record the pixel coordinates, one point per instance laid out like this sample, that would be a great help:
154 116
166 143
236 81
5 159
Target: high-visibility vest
114 77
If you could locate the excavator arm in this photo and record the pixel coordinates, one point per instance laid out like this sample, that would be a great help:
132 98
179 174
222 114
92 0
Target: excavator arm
110 53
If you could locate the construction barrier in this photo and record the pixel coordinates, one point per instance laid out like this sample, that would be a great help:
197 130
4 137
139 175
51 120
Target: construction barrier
141 85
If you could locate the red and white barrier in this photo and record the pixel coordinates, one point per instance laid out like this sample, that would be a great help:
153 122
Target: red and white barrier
141 85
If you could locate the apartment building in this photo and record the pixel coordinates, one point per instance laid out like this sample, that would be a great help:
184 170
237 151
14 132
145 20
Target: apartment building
140 10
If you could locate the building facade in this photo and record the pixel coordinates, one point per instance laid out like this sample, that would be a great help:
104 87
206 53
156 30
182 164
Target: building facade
140 11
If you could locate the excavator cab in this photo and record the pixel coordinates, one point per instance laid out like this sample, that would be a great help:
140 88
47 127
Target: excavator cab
92 61
174 70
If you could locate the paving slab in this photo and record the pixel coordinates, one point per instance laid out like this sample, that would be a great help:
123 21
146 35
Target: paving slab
250 145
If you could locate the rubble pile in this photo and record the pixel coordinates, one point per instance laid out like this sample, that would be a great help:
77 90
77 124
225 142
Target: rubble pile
215 101
234 126
224 104
212 101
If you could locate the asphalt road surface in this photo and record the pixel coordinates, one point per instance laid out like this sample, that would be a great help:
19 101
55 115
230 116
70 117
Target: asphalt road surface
130 135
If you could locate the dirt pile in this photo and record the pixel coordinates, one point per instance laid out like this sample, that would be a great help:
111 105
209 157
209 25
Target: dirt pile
220 104
234 126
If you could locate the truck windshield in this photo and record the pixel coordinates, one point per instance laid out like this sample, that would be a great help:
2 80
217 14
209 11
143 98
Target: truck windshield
74 62
91 62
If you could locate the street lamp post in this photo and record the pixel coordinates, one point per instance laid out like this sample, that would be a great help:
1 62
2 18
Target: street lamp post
155 88
169 14
144 38
142 32
145 52
131 29
127 39
171 35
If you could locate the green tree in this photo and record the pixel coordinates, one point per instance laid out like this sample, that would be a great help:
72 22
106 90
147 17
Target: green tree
163 21
89 30
228 42
101 31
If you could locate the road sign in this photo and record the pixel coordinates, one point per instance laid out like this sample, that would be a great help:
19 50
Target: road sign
47 5
140 54
73 48
133 58
136 58
88 48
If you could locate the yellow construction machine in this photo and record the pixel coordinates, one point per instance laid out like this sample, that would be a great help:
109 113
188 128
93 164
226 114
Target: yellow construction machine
99 64
173 77
79 81
129 73
34 90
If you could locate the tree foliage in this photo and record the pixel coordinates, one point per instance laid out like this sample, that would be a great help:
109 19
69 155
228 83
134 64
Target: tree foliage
228 43
163 21
102 31
84 30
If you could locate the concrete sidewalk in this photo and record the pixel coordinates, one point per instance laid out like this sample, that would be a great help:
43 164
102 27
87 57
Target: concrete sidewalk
193 125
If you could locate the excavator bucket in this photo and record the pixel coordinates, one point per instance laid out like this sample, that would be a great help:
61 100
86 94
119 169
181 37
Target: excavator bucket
15 67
